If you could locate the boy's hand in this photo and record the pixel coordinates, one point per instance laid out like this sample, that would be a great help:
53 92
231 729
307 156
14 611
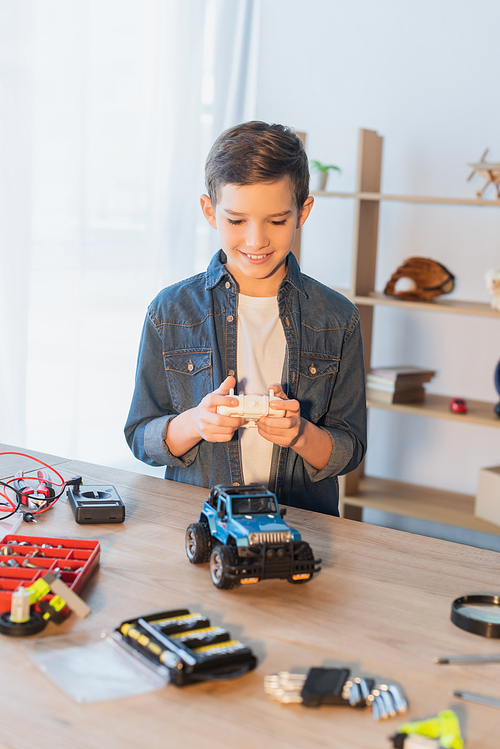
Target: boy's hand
210 425
286 430
305 438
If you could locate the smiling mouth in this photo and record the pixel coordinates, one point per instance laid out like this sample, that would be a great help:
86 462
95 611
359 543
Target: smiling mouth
256 257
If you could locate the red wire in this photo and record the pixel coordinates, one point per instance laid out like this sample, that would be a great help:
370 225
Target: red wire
37 460
2 509
33 478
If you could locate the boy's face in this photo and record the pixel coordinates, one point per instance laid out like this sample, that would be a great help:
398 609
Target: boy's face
256 225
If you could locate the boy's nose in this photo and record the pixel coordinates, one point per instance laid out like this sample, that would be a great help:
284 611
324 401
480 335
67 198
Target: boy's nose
256 239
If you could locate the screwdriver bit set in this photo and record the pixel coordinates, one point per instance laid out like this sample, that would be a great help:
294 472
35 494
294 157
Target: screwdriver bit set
187 645
336 686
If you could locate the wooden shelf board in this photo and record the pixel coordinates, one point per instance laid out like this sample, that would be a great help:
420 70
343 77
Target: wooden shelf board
426 199
327 194
424 503
376 196
441 305
437 407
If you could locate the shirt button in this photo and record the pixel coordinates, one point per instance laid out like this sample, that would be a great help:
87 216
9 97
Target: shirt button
312 369
230 318
230 373
236 483
228 285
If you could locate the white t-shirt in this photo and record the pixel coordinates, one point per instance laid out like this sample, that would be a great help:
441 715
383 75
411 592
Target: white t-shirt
260 357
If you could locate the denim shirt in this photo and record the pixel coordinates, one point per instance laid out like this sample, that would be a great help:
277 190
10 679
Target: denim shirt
188 347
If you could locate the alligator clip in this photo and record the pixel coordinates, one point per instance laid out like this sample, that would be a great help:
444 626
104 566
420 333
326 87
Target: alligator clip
43 488
23 487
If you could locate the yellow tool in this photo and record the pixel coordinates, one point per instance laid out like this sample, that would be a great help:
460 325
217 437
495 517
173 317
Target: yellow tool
444 727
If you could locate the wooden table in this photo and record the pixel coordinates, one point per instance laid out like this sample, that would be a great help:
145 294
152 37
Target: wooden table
381 605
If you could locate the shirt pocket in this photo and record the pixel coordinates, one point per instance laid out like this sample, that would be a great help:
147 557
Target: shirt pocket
317 378
189 376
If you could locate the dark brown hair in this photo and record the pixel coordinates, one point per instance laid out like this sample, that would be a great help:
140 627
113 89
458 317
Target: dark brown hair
257 152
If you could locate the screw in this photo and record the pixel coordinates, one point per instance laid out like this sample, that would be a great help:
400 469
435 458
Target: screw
12 563
6 550
27 563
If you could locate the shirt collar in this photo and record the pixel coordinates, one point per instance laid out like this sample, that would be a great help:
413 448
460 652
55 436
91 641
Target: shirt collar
293 276
217 271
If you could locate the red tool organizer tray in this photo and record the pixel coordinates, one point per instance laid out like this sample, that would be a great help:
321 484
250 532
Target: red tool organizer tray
80 557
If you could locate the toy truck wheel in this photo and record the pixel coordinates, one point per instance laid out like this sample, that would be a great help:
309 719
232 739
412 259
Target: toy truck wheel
306 555
220 559
197 543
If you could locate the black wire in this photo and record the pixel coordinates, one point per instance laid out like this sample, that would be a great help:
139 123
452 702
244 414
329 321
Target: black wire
19 495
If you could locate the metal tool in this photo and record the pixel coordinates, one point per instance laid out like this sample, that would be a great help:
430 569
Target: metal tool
468 659
484 699
323 686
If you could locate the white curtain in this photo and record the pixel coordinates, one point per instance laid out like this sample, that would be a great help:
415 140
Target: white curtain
107 111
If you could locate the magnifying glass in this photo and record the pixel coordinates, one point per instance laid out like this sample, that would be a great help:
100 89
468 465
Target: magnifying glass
496 378
478 613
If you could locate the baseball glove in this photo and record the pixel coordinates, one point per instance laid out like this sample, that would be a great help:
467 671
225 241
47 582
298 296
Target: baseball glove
430 279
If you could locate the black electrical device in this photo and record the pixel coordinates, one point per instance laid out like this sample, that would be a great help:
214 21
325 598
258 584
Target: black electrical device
96 504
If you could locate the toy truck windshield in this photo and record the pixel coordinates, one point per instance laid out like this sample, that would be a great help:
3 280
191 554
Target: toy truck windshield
254 504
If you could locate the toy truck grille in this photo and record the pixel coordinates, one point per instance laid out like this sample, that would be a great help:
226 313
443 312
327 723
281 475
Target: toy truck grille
278 537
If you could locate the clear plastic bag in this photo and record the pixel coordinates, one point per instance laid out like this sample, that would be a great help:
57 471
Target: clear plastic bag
9 525
95 666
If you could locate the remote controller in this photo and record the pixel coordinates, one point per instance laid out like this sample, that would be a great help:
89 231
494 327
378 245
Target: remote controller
251 408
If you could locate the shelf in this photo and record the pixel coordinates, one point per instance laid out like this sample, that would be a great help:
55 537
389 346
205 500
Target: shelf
376 196
483 309
437 406
433 505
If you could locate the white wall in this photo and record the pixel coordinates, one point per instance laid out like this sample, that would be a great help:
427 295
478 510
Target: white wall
424 76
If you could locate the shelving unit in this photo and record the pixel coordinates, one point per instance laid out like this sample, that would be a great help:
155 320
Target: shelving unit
358 490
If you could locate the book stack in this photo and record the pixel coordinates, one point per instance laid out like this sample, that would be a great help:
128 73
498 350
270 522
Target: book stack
404 384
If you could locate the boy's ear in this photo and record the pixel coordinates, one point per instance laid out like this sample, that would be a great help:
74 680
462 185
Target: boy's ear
305 211
208 211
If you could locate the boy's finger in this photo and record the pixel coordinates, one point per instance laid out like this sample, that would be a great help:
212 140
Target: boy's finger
225 387
277 389
285 404
219 399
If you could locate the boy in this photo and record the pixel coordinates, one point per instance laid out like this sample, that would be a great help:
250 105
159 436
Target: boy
253 322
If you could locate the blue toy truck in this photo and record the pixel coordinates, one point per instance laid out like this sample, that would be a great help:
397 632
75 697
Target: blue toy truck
241 532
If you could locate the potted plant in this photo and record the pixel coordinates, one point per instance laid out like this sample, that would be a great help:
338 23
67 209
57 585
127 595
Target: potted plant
323 170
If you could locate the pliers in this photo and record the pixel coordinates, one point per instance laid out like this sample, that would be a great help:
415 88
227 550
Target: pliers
23 487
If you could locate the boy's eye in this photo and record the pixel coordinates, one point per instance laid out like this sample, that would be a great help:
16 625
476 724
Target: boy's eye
235 222
279 223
